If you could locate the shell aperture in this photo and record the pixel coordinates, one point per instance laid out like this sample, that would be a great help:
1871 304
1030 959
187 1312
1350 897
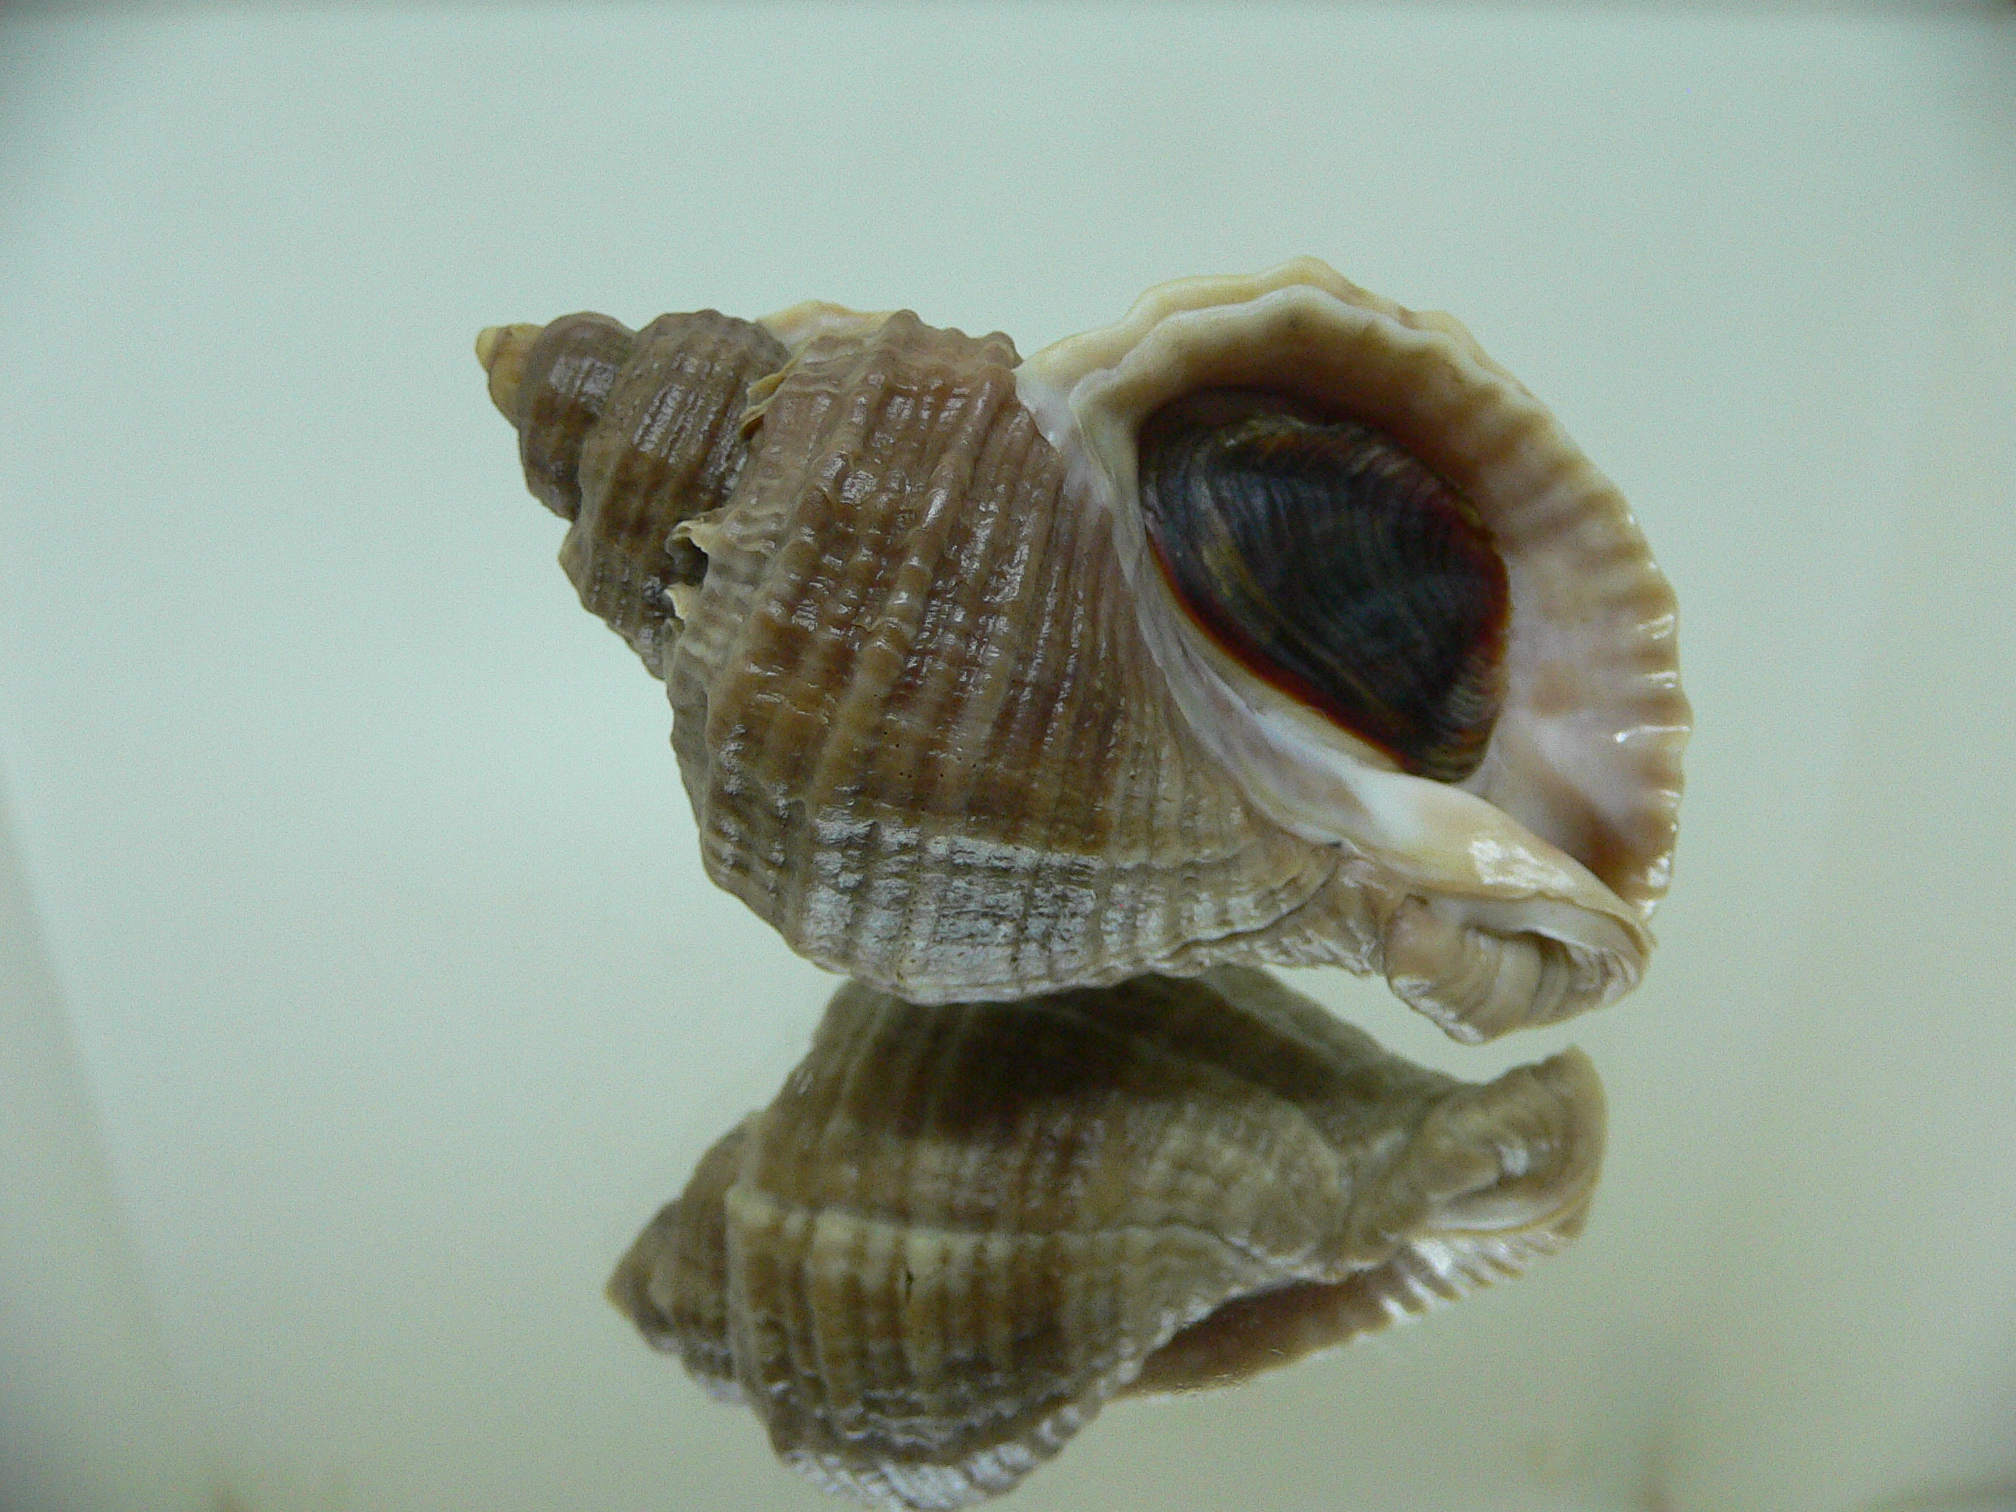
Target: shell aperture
960 1230
1332 563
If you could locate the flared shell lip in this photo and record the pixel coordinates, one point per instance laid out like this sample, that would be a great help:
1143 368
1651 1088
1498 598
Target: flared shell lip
1602 738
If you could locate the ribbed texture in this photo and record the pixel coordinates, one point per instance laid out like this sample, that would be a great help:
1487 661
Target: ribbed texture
960 1230
920 729
568 373
668 447
626 436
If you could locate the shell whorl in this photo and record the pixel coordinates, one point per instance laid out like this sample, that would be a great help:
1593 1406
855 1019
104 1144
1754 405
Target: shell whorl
625 435
913 710
959 1231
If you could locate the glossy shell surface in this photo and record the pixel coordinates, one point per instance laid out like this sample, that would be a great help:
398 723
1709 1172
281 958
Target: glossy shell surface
960 1230
945 725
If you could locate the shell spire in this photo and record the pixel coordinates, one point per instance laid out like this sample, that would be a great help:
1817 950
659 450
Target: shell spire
625 435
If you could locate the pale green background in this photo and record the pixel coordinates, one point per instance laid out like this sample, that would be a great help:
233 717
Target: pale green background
362 993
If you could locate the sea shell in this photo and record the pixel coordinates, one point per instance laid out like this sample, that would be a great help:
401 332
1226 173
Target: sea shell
959 1231
950 723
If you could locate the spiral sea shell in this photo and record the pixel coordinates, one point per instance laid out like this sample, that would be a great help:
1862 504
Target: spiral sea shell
960 1230
1273 624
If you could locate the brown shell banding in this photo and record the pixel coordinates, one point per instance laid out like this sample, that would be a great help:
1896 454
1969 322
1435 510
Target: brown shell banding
1519 896
912 707
959 1231
625 435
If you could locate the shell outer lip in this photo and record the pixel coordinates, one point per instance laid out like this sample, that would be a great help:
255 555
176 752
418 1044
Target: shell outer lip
1476 852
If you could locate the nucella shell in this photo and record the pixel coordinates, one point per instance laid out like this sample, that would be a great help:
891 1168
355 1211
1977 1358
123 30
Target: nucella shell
960 1230
1275 623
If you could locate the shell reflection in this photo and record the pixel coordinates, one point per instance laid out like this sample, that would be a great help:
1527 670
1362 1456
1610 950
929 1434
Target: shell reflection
959 1231
1272 624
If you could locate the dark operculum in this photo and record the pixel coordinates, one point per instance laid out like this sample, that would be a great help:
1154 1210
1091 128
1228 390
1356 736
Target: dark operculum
1334 565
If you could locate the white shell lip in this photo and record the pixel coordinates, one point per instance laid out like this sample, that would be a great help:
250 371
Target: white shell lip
1566 830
